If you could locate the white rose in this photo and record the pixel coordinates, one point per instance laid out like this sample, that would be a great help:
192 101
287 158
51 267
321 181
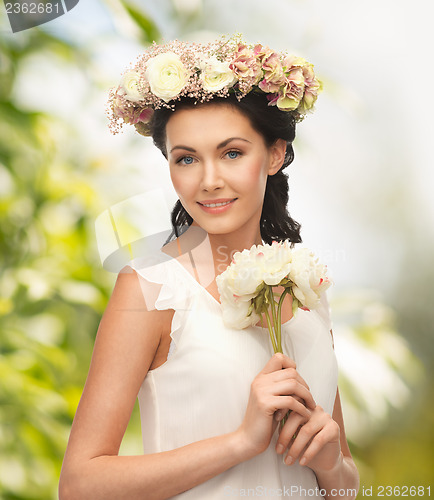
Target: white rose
234 307
129 85
309 277
235 314
238 282
216 75
274 262
243 276
250 268
166 75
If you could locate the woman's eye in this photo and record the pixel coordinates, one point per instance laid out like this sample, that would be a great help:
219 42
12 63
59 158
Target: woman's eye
233 154
186 160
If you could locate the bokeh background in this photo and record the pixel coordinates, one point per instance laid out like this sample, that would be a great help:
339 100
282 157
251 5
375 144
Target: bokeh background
361 186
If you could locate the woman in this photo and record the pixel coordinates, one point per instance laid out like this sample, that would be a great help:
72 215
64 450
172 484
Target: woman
211 397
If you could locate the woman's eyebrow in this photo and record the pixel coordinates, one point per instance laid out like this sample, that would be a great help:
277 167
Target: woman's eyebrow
186 148
227 141
219 146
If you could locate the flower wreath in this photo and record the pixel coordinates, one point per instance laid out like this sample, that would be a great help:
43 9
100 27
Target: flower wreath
165 73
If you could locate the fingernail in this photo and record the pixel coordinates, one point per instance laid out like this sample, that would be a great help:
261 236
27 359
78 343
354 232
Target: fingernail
303 461
278 416
288 460
279 448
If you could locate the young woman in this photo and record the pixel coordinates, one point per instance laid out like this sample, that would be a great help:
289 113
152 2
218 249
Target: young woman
211 397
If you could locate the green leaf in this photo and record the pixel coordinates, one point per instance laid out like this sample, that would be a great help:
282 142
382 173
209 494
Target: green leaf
259 302
295 305
149 29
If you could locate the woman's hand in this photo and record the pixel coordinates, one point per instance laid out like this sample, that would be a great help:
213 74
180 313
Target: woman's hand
315 440
277 387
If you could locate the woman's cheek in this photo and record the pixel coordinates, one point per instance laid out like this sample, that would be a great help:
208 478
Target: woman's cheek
181 183
186 191
254 176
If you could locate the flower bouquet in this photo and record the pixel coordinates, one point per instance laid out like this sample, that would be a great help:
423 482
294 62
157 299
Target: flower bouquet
247 286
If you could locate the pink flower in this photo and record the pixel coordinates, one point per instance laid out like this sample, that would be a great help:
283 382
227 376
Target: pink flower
312 88
300 74
246 66
121 107
261 52
129 112
274 77
141 119
289 97
145 115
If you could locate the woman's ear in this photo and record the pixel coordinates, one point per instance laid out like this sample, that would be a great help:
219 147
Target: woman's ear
277 156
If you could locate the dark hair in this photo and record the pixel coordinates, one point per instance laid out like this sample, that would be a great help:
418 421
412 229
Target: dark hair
276 224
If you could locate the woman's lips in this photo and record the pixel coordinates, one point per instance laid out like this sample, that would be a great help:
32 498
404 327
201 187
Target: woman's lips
216 206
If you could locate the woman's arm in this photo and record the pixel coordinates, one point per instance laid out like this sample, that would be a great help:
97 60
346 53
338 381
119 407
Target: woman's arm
126 343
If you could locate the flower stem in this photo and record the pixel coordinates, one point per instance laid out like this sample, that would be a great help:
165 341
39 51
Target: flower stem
279 319
272 302
270 330
272 305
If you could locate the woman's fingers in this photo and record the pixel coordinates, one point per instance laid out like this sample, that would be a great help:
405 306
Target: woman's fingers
283 368
306 439
289 373
277 389
277 362
289 431
280 414
323 443
290 403
292 387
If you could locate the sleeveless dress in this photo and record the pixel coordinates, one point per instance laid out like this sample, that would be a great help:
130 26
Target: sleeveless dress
202 389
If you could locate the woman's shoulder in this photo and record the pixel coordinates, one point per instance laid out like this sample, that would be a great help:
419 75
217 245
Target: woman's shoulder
166 280
127 287
136 293
131 324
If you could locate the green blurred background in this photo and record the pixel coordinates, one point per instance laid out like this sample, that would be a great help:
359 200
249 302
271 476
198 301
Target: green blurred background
361 187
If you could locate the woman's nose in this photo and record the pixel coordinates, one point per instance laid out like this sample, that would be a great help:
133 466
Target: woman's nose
211 176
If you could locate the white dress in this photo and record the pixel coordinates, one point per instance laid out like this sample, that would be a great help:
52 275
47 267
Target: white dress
202 389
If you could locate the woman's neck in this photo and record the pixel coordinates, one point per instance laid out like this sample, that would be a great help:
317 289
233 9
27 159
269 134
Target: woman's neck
225 245
197 249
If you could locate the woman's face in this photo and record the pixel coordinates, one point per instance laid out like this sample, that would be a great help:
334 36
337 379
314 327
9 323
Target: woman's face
219 166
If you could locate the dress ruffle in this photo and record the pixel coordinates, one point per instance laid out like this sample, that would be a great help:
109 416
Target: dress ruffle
174 293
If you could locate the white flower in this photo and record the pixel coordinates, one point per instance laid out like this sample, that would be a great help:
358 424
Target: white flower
129 85
235 310
242 277
215 75
251 270
274 262
166 75
309 278
262 263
